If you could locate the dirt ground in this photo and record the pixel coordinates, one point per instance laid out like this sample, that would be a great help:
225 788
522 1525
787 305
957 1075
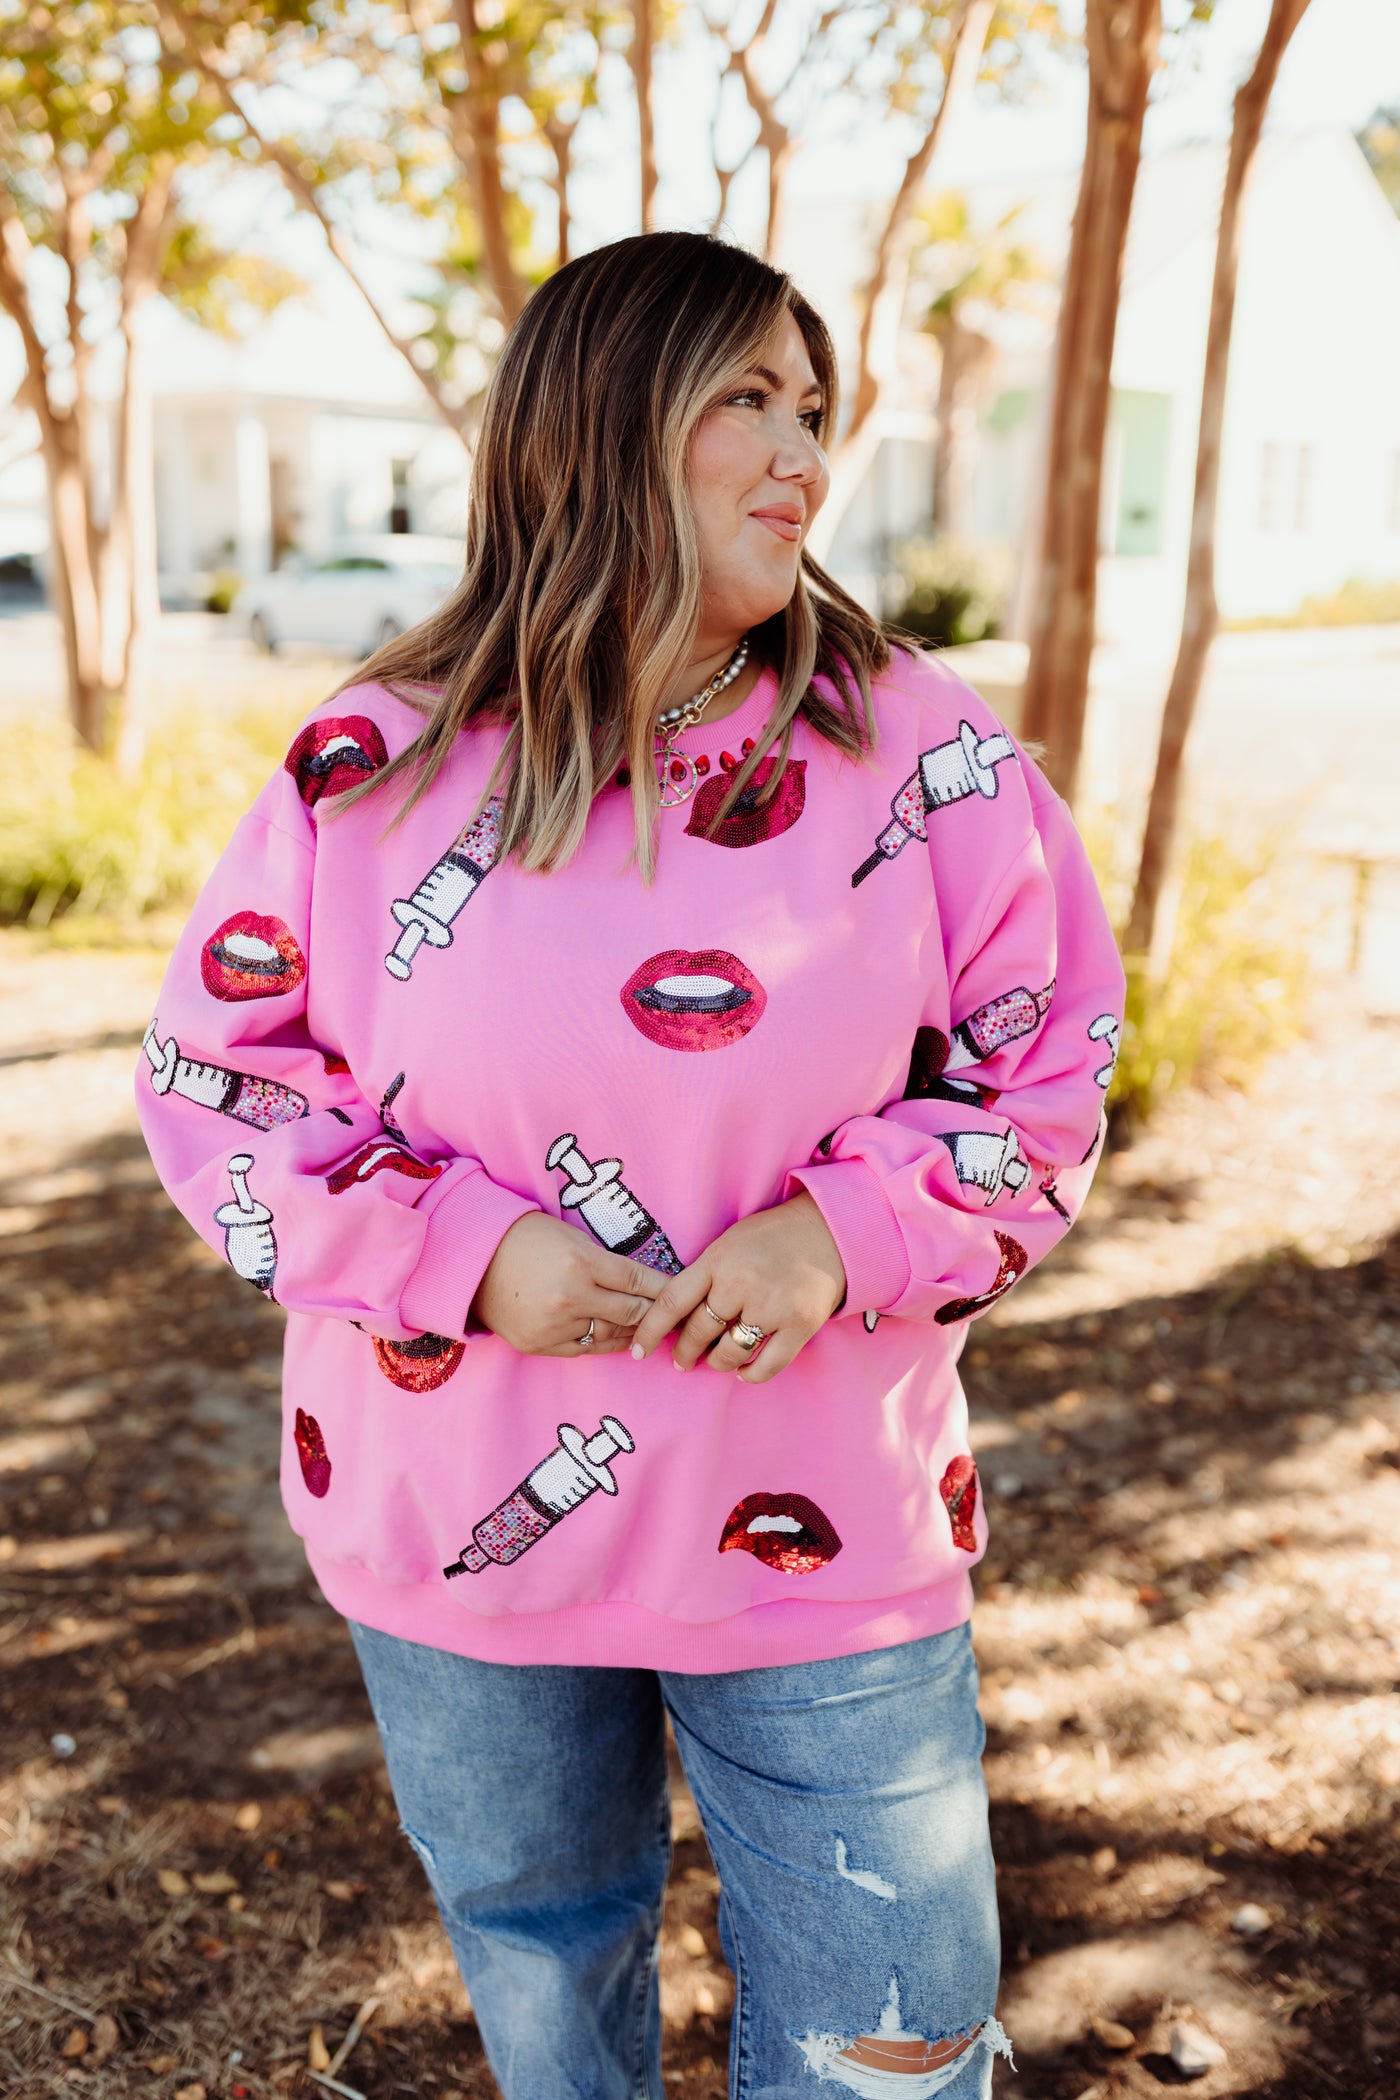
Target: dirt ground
1188 1428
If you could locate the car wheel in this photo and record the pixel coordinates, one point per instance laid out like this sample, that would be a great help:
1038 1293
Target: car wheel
262 635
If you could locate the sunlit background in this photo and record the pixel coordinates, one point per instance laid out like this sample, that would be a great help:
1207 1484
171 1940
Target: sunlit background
1142 483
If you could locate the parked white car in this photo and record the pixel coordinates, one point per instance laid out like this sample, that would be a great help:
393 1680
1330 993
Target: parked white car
360 595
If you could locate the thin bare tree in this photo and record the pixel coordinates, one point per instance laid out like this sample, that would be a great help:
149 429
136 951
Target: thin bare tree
1201 614
1124 39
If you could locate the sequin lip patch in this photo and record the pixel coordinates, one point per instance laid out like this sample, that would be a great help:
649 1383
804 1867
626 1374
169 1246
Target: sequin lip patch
420 1365
251 957
958 1487
311 1450
330 756
750 822
374 1158
693 1000
1012 1264
786 1532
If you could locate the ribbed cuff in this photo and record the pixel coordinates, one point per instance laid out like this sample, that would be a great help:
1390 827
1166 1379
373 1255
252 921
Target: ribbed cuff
464 1231
860 1220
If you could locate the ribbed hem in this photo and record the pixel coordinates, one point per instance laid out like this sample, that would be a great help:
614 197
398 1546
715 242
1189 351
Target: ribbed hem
859 1217
626 1637
464 1231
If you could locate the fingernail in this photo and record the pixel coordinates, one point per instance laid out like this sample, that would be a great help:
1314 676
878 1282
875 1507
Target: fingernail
676 1365
637 1351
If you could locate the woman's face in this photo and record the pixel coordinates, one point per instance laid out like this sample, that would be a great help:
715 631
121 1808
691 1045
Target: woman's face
758 477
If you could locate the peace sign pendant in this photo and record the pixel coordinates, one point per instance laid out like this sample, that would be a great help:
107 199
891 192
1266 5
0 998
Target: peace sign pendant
675 775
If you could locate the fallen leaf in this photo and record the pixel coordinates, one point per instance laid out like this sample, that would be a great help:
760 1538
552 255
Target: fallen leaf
249 1816
236 1904
158 2066
105 2036
190 2092
111 1804
318 2056
272 1858
215 1884
212 1949
343 1891
172 1882
77 2042
1112 2033
1069 1402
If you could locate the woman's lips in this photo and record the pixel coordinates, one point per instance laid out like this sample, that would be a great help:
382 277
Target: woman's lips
419 1366
330 756
789 529
786 1532
250 957
693 1000
750 821
374 1158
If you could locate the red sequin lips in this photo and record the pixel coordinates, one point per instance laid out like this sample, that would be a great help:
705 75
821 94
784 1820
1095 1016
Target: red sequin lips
329 757
693 1001
250 957
750 821
786 1532
958 1487
1012 1264
374 1158
311 1450
419 1366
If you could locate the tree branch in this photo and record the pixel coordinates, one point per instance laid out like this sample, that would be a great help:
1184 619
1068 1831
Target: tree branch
304 193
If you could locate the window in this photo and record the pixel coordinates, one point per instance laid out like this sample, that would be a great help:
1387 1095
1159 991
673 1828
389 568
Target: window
1287 473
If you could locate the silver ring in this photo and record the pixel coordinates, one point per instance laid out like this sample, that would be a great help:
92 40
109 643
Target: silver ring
585 1341
714 1315
746 1335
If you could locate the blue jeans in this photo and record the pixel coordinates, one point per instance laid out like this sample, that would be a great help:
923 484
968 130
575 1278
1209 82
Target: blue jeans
846 1812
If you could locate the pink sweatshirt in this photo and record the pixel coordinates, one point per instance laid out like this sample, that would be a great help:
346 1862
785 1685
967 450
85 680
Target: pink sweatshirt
893 985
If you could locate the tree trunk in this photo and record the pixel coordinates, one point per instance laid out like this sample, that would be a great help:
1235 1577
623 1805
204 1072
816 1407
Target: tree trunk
1200 616
964 357
77 599
1123 38
640 53
482 109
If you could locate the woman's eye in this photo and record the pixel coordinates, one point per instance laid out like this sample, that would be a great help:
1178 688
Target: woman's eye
811 419
752 396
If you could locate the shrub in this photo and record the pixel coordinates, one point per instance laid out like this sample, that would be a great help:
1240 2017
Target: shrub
955 590
1233 989
78 840
1361 602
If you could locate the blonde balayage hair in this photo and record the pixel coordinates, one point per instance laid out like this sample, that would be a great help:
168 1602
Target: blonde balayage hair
580 598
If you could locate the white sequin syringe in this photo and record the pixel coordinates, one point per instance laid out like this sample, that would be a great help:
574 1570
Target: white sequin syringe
575 1469
609 1209
965 765
427 915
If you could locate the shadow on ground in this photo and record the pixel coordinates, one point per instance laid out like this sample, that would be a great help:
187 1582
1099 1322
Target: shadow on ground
1188 1683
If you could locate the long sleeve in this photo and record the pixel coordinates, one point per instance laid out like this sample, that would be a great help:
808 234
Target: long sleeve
943 1199
258 1128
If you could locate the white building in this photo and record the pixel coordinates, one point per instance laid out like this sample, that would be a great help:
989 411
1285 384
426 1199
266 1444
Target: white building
1310 466
310 429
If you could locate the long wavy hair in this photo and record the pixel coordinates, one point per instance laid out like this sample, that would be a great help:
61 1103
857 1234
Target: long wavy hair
580 599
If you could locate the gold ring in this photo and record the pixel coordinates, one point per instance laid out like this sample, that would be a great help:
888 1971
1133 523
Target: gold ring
714 1315
746 1335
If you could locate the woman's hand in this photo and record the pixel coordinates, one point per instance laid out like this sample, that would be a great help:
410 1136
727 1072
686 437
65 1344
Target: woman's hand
778 1270
546 1281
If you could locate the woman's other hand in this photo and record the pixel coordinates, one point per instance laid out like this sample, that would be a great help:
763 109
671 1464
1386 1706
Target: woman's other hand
779 1271
546 1281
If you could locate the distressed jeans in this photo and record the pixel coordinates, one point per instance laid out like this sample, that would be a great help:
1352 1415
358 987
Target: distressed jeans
844 1807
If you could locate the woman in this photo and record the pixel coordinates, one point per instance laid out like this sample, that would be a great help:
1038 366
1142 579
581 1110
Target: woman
643 968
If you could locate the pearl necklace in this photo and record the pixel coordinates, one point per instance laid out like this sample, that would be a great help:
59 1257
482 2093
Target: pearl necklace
675 773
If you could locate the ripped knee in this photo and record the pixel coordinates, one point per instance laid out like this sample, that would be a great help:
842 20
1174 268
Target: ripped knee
892 2061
